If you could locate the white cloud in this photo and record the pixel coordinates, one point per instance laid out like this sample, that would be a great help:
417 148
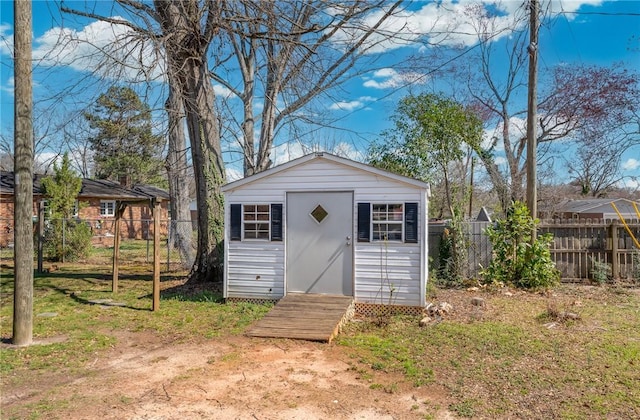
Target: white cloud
500 160
455 23
351 105
347 150
10 86
108 49
233 174
289 151
6 39
223 91
631 183
283 153
570 6
449 22
631 164
389 78
517 129
346 106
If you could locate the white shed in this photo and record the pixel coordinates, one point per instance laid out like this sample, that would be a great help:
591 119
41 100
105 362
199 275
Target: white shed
327 225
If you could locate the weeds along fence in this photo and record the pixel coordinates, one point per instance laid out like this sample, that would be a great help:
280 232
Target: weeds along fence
581 249
178 241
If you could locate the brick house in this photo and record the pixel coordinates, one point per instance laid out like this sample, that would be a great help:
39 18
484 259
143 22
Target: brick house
97 203
597 209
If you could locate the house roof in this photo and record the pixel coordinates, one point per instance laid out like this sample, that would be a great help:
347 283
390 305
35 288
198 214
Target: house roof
329 157
91 188
599 205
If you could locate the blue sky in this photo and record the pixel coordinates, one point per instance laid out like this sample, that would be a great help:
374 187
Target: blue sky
590 32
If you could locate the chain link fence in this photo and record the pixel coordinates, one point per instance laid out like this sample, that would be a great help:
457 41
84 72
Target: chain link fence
178 240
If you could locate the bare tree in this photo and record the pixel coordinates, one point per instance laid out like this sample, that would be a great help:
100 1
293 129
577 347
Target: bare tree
596 166
290 53
574 100
183 32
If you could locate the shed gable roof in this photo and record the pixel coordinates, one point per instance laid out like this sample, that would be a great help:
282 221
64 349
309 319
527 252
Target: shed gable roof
330 158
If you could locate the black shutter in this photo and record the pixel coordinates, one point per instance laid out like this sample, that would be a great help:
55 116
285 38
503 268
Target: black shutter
364 222
236 222
411 222
276 222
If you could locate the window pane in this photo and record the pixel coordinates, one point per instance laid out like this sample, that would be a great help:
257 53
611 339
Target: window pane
395 212
387 222
256 221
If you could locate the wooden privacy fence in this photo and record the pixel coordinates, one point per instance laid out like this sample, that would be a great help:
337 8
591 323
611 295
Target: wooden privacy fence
577 247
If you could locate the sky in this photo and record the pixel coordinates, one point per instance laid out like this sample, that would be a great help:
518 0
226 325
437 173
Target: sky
588 32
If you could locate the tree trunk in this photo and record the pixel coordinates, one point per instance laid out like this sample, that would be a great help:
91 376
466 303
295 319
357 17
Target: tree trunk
23 173
178 174
208 166
189 27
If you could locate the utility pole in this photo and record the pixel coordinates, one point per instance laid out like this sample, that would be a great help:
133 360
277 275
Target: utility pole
531 113
23 175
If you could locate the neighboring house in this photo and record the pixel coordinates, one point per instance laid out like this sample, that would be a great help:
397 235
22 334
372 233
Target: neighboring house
96 205
597 209
327 225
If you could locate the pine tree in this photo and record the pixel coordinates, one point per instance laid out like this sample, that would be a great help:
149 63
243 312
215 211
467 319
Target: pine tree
124 145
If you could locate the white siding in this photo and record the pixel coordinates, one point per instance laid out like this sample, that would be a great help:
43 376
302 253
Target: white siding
388 274
255 269
401 265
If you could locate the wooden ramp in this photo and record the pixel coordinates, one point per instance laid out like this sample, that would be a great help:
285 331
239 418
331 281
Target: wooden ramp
305 317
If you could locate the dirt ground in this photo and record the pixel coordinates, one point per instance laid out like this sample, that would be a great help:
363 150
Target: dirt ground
235 378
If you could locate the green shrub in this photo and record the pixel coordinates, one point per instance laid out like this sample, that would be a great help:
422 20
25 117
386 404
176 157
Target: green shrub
67 241
516 261
600 272
452 253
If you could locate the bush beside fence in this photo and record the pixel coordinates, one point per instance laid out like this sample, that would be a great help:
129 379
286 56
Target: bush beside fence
580 249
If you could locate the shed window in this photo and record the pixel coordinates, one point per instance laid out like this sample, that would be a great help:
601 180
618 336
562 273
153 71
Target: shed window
387 222
107 208
256 221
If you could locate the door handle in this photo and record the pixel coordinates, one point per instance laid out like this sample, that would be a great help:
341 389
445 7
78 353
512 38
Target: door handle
348 240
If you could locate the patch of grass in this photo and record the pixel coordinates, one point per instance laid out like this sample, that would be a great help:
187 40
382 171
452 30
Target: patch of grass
464 408
509 363
87 313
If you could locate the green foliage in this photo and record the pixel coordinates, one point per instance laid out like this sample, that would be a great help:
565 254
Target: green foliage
123 141
600 272
67 240
516 261
453 253
62 190
64 238
430 137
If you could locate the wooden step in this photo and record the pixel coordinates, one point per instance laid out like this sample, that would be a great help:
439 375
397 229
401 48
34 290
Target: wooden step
304 316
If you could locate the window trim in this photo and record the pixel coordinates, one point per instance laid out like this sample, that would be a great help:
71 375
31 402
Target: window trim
387 222
410 226
106 213
256 221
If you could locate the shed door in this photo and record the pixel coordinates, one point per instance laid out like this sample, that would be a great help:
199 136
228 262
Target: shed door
319 242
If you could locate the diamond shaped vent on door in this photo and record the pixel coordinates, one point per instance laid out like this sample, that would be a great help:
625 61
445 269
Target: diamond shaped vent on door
319 213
